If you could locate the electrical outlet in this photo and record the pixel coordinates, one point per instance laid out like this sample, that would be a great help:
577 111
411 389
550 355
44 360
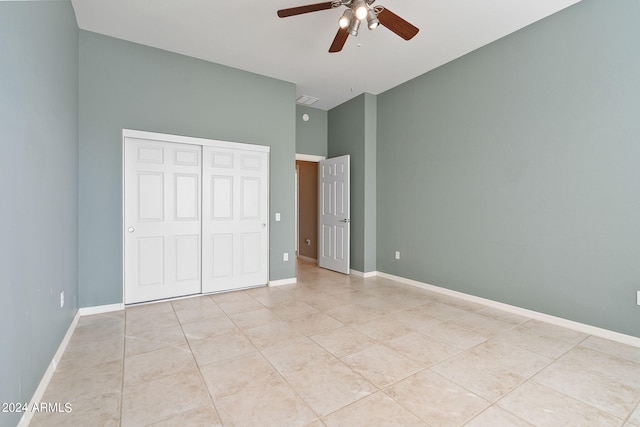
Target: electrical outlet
61 299
638 298
277 216
397 254
285 257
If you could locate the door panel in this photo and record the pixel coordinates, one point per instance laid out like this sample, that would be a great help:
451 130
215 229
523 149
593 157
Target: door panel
334 214
149 154
235 232
251 162
340 201
150 196
188 157
187 257
187 196
326 244
162 220
326 192
250 198
222 252
221 197
150 261
250 248
221 160
340 243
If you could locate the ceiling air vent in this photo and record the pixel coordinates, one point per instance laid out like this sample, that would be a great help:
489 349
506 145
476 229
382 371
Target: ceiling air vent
306 100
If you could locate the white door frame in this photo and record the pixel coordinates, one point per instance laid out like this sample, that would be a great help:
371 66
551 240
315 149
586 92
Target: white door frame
154 136
310 157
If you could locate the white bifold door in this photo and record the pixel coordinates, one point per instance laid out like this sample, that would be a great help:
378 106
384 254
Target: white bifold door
334 221
195 219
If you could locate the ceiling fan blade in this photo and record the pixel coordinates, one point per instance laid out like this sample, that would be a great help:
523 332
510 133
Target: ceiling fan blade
299 10
339 40
396 24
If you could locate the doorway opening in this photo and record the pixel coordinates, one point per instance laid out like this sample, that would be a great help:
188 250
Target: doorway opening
322 200
306 198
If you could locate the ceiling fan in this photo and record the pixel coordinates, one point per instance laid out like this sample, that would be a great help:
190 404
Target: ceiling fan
357 11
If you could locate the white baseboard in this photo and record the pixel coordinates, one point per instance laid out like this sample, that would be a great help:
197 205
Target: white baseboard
361 274
53 365
282 282
48 374
308 259
98 309
559 321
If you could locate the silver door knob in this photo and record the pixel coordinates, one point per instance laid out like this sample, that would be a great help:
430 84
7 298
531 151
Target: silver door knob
264 225
131 229
346 220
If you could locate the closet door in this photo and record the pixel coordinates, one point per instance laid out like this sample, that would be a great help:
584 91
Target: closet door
162 186
235 247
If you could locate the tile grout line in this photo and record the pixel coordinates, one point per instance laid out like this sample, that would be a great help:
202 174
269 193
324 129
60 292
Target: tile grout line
635 408
281 374
195 361
277 370
553 361
124 352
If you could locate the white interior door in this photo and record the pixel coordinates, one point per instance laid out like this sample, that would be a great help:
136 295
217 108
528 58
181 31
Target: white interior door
235 242
334 221
161 219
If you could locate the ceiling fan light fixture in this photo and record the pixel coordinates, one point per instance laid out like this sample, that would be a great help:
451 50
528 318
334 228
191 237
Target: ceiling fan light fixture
372 19
357 11
345 19
353 28
360 9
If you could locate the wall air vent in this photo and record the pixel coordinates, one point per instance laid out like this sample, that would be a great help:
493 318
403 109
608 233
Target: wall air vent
306 100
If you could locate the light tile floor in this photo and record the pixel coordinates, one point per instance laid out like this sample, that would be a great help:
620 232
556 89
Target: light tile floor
334 350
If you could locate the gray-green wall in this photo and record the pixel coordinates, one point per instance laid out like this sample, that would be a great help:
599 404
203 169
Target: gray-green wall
311 136
352 131
39 175
513 173
126 85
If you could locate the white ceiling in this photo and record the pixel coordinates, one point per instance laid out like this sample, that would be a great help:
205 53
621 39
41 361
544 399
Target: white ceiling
247 34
